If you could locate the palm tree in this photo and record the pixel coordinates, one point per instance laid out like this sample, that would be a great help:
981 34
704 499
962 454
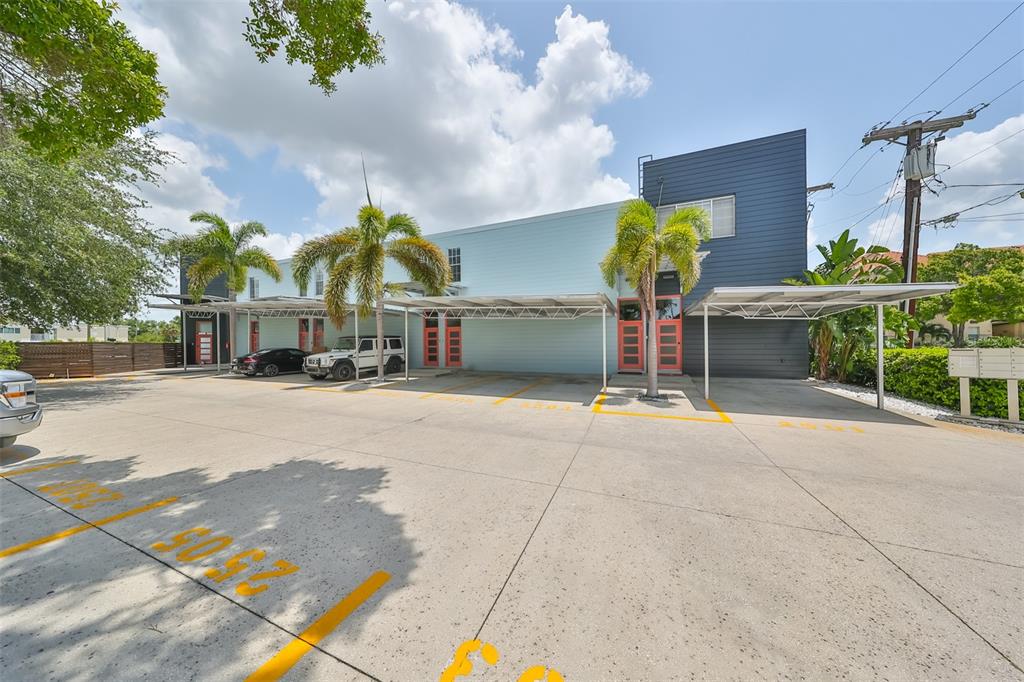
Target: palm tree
835 338
934 331
219 250
639 249
354 257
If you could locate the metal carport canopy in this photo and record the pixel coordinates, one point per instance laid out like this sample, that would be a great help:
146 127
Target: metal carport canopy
553 307
811 302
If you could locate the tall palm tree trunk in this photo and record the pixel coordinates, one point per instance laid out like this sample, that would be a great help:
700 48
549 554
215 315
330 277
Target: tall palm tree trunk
380 338
652 338
232 328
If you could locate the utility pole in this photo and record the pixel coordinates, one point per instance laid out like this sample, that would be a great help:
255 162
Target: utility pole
912 210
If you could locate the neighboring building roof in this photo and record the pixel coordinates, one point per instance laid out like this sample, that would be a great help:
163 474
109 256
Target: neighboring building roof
922 258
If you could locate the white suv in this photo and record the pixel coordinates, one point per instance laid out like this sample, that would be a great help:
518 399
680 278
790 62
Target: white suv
340 361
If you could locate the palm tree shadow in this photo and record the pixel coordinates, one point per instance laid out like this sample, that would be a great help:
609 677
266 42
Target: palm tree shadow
91 603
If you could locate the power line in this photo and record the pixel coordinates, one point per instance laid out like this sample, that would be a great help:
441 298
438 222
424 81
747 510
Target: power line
991 184
992 101
976 84
950 67
995 215
950 217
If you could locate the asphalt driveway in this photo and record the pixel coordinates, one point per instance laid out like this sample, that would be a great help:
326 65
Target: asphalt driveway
202 527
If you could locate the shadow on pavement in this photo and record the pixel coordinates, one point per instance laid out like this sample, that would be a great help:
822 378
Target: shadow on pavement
90 606
80 394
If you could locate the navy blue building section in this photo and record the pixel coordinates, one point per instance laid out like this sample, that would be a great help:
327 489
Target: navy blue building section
768 179
218 287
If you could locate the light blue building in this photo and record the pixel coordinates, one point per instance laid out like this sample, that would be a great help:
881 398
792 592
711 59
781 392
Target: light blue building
755 192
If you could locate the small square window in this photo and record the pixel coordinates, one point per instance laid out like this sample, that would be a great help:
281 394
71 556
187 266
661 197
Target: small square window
455 263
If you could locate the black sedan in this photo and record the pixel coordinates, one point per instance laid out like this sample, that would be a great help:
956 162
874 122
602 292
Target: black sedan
269 361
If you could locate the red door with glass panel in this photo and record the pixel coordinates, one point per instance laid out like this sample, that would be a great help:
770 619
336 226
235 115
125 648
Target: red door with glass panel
430 340
318 335
254 335
453 343
303 333
631 336
204 342
669 330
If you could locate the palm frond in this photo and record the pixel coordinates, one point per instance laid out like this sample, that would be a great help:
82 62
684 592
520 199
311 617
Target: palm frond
424 261
259 258
326 250
368 274
373 224
402 224
200 274
244 233
339 279
697 218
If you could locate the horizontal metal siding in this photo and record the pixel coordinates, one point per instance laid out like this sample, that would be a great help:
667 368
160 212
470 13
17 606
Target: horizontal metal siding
774 349
769 179
549 346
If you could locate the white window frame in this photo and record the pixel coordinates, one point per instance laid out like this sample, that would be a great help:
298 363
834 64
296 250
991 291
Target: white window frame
318 284
672 208
455 253
254 288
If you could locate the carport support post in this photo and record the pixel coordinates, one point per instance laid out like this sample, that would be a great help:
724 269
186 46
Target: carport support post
405 345
184 342
359 361
218 341
707 363
604 349
248 330
879 354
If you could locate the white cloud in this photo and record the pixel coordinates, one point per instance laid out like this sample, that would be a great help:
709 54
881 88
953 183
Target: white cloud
184 186
450 131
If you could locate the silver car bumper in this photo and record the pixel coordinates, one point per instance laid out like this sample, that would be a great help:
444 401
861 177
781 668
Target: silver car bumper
21 424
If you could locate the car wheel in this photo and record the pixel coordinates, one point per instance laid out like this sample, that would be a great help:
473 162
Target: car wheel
343 371
271 370
393 365
7 441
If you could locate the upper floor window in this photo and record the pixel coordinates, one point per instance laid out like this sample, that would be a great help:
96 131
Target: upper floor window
318 284
10 330
721 210
455 263
303 290
254 288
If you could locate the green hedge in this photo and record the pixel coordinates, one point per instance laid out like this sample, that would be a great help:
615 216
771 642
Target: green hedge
9 358
923 374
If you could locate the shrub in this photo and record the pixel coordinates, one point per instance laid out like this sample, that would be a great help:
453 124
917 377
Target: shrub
923 374
9 358
997 342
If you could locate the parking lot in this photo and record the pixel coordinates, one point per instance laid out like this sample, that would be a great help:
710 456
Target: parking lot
180 527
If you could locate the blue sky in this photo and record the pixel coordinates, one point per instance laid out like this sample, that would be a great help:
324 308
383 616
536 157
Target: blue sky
493 110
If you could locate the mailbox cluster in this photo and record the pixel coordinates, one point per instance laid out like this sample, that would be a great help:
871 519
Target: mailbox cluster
988 363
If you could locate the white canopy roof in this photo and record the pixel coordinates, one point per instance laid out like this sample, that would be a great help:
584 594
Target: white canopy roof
789 302
560 307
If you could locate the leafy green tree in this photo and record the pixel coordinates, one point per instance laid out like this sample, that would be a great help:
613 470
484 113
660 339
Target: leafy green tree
216 250
9 358
329 35
934 332
73 247
962 262
354 257
72 77
998 295
640 248
836 339
154 331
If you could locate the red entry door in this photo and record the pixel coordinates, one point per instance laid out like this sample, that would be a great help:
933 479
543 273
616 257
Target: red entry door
318 336
254 335
430 345
669 330
304 333
453 343
631 336
204 342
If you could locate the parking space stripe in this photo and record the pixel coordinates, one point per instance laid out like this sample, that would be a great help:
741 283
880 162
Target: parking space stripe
41 467
84 527
287 657
723 418
521 391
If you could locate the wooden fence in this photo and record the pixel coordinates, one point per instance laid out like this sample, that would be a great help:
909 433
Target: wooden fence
44 360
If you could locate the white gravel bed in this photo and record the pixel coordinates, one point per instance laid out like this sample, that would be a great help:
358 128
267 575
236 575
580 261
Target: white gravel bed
894 402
